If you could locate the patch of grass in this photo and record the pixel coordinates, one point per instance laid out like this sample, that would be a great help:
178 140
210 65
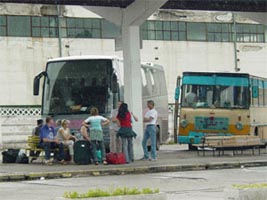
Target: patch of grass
112 192
250 186
171 142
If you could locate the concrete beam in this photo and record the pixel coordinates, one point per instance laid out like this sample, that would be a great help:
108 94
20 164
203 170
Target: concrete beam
135 14
260 17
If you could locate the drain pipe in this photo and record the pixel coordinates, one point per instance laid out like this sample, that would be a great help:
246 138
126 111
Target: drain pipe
59 29
237 69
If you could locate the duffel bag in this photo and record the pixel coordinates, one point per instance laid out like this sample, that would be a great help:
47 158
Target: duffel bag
10 155
116 158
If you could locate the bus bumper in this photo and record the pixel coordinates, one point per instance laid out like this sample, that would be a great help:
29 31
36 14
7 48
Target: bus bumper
192 138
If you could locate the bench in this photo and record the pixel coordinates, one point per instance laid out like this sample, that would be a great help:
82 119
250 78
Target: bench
234 143
33 142
33 146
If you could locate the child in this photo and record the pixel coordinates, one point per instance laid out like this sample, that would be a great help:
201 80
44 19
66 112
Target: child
96 133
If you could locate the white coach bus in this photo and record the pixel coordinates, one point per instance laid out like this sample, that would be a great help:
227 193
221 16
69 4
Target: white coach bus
72 85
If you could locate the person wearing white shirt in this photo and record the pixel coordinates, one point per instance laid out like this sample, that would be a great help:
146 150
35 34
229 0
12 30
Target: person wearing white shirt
150 120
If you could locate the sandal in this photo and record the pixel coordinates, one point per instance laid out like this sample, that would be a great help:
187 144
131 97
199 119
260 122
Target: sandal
105 162
63 162
96 163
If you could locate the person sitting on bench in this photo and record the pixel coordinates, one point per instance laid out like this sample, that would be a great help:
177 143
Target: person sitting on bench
49 141
36 132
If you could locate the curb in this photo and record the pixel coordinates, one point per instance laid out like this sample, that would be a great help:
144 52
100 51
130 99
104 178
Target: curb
128 170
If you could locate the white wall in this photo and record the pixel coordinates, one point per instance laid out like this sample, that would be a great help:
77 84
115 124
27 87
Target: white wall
22 58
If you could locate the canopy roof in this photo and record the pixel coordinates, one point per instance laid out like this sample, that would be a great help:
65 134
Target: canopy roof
218 5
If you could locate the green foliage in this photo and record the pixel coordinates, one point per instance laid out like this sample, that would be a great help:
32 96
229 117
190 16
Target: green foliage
171 142
112 192
250 186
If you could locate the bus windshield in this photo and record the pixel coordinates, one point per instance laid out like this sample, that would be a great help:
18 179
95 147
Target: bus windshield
74 86
216 96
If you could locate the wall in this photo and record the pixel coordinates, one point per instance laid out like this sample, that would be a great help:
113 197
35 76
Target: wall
22 58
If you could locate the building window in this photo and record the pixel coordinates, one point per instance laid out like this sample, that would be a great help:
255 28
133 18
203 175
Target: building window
44 26
47 26
18 26
250 33
196 31
163 30
3 26
219 32
83 28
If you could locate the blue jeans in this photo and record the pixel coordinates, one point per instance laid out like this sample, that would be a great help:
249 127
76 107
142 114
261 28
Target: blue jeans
151 133
47 146
98 145
127 148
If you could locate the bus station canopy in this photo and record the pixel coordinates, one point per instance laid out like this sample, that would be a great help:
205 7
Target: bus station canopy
216 5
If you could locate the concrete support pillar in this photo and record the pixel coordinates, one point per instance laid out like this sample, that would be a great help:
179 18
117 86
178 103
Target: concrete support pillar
132 80
1 139
129 19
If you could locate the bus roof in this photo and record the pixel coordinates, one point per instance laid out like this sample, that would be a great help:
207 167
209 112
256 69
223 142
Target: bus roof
83 57
96 57
232 74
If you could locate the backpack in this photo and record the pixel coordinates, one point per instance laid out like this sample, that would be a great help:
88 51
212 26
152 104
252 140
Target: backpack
10 156
116 158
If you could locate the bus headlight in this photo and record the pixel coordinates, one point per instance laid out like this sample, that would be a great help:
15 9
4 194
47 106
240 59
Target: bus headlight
239 126
184 123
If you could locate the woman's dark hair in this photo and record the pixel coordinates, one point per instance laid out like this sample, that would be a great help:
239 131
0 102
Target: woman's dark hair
123 109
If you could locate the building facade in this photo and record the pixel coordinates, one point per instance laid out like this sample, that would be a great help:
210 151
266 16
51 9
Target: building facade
177 40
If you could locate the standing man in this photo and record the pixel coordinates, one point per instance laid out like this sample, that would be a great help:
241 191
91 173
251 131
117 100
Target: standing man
115 142
150 120
49 141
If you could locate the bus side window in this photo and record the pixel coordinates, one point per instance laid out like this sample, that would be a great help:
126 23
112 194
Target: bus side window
149 82
144 83
157 83
261 93
162 83
255 92
154 89
265 92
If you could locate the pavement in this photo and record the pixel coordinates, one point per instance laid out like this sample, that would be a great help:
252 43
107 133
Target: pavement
171 158
186 185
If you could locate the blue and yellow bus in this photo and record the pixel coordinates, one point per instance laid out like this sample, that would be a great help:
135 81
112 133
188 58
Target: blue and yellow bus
213 103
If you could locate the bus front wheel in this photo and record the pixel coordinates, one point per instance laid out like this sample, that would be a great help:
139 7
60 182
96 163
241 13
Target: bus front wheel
158 139
192 148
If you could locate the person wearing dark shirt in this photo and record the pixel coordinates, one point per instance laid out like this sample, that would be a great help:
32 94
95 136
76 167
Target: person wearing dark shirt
49 141
36 132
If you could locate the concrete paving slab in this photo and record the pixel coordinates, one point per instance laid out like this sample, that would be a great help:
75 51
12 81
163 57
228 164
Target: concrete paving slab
171 158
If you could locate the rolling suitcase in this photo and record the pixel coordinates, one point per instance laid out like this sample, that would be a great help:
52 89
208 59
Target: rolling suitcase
82 152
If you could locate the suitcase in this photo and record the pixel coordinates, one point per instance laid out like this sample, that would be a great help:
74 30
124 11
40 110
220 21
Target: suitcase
82 152
116 158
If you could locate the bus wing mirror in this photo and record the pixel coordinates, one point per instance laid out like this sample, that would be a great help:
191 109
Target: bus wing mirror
177 90
114 84
177 94
36 82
